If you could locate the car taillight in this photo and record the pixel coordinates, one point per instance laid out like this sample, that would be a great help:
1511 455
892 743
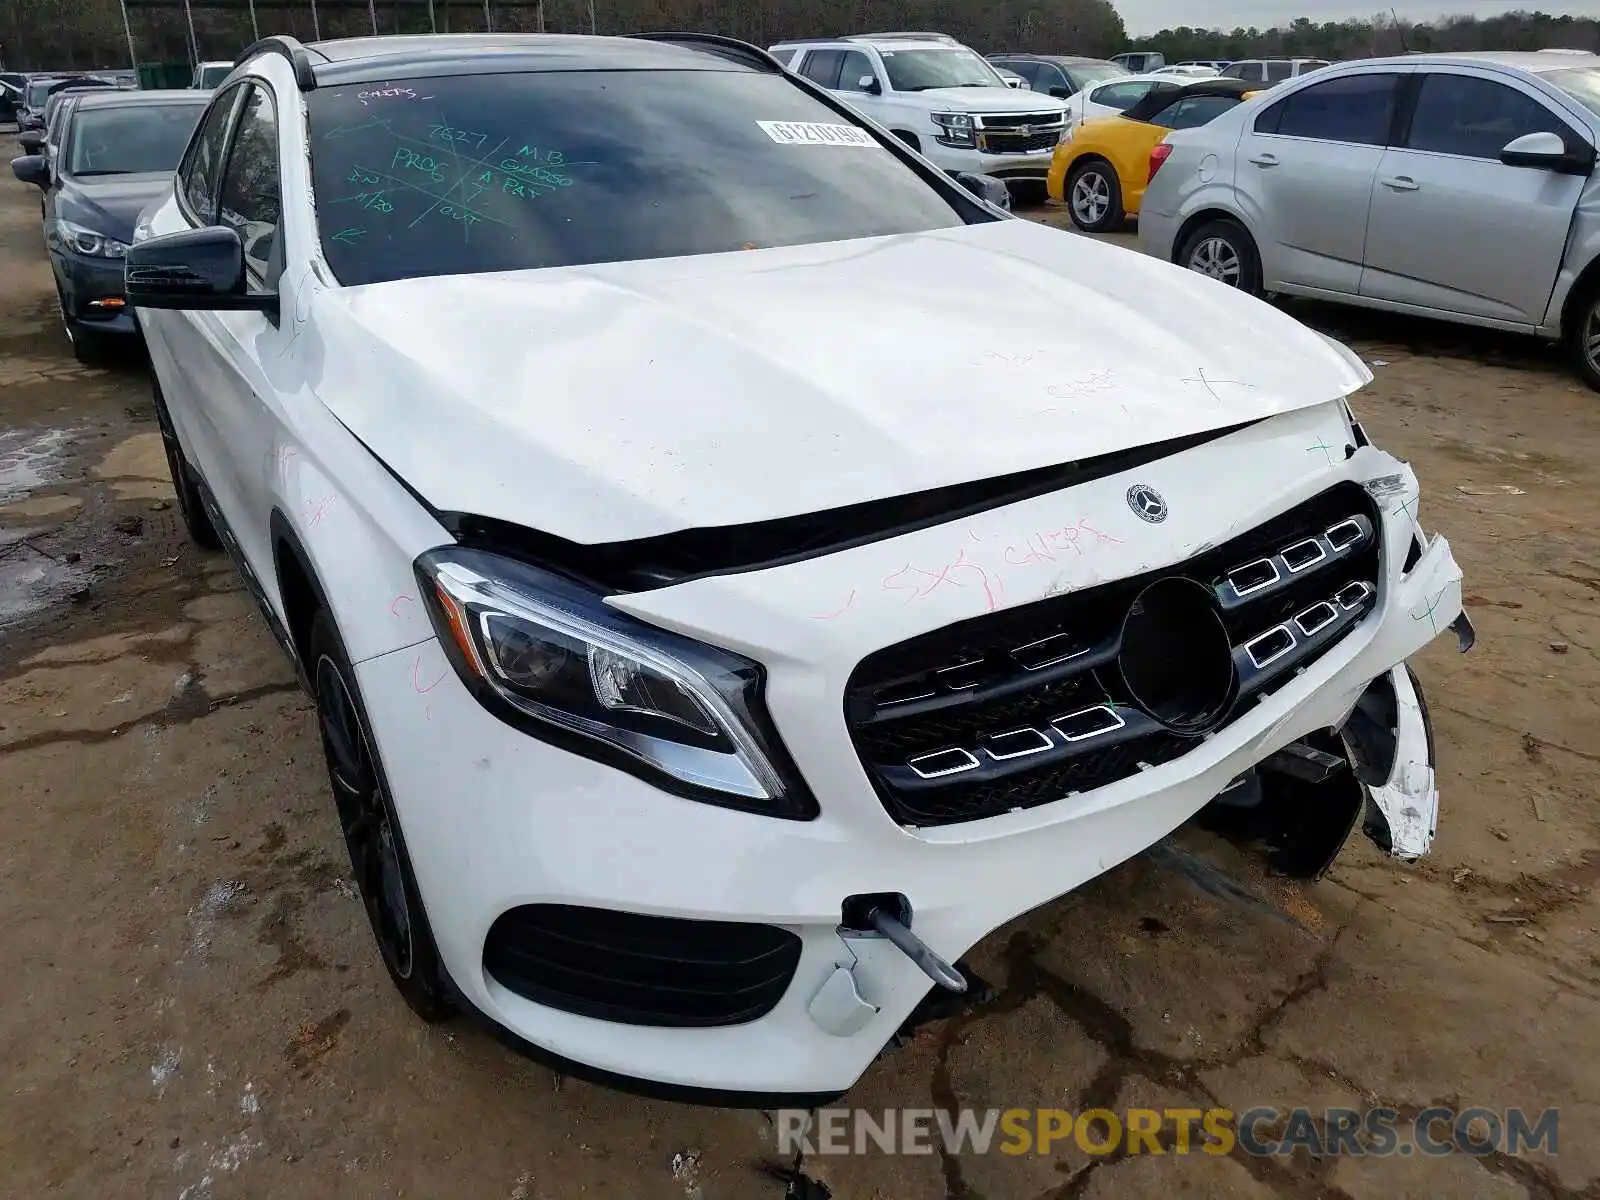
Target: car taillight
1158 156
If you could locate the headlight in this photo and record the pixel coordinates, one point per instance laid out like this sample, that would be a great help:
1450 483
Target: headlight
82 240
956 129
551 658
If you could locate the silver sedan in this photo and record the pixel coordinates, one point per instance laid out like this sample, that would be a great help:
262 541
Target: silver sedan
1460 187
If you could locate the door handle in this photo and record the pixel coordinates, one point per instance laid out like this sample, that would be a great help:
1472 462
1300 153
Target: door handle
1264 159
1401 183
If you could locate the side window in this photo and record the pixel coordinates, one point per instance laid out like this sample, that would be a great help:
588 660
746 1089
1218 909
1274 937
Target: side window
1033 72
822 67
1355 108
197 176
250 199
786 57
1120 95
1193 111
1460 114
855 67
1279 69
1051 76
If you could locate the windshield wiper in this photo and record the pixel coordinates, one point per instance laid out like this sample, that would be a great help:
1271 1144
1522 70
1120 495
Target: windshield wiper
93 174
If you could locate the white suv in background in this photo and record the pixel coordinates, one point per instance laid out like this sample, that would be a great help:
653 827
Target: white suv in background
941 97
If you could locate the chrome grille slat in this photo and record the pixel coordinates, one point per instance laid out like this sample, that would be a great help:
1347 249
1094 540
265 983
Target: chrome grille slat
1024 706
965 761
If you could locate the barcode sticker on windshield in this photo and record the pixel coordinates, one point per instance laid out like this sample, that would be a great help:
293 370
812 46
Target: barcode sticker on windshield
815 133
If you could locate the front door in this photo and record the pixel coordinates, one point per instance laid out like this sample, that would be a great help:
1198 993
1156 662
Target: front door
1305 169
1452 228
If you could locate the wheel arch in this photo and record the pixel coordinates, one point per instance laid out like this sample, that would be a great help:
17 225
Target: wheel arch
1211 213
1582 289
300 592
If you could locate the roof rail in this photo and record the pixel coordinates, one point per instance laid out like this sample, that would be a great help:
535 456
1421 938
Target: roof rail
900 35
729 48
299 58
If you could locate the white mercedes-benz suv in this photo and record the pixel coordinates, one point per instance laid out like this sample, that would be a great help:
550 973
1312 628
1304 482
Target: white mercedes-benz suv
706 651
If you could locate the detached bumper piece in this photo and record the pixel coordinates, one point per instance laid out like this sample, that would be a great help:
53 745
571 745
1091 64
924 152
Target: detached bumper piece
1376 770
1024 707
641 970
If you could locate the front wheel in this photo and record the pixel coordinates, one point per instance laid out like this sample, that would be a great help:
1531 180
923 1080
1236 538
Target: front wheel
1224 251
1094 197
378 858
1584 339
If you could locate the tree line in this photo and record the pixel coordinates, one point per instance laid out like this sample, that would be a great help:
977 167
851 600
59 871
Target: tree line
1381 35
45 34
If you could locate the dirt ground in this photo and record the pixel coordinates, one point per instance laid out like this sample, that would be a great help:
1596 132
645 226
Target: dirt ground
191 1006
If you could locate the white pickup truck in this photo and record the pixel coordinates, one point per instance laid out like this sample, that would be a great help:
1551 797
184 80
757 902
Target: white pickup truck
943 98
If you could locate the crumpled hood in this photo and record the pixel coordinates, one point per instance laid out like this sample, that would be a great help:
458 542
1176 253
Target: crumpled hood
110 204
626 400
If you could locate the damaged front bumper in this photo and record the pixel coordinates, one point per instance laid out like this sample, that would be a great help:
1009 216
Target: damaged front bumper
532 825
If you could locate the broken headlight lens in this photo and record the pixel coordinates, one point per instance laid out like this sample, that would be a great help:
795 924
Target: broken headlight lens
555 660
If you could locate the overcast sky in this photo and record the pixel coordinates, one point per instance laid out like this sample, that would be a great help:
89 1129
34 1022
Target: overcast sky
1147 16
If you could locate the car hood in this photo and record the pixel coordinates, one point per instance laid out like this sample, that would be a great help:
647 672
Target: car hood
110 204
625 400
992 99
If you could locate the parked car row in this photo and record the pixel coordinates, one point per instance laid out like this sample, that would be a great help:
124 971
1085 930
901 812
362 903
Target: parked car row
693 758
103 155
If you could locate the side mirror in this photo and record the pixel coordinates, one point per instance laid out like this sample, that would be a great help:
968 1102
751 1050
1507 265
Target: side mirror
985 187
31 168
32 141
1549 152
192 269
869 84
1059 92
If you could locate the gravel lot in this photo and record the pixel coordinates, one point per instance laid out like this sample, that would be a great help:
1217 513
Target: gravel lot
191 1005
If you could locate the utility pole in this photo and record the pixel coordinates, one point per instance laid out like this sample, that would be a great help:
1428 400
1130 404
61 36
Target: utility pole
194 43
127 31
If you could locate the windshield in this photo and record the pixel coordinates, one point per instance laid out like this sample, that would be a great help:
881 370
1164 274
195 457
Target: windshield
135 139
940 67
509 172
1582 85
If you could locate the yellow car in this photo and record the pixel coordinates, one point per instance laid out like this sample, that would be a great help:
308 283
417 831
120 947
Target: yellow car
1100 170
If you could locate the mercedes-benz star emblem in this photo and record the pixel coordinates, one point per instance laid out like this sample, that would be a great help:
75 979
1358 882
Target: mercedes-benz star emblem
1147 502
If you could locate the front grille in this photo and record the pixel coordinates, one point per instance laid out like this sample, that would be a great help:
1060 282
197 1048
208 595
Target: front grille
1024 707
641 970
1018 133
1039 120
1010 143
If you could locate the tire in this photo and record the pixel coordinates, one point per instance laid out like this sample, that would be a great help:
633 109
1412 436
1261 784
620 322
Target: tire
196 521
1094 197
1223 250
1583 338
379 863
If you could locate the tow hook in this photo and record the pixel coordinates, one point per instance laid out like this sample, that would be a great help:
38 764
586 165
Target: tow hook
890 916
